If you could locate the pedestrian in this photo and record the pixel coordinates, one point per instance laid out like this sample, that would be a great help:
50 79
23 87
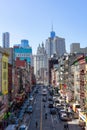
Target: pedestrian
67 126
36 124
64 126
45 115
44 105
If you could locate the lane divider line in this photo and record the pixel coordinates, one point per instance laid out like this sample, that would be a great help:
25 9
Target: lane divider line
41 115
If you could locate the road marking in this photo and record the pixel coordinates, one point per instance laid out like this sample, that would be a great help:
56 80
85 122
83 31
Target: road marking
41 115
53 123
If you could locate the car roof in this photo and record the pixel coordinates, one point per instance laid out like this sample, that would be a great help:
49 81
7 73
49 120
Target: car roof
63 114
30 107
23 126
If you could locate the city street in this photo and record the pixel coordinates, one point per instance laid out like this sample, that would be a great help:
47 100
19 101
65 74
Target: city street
43 65
51 123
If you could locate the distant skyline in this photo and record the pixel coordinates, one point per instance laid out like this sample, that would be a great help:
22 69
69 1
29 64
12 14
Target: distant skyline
33 19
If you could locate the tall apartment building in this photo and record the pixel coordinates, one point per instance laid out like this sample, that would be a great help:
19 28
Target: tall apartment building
6 40
55 45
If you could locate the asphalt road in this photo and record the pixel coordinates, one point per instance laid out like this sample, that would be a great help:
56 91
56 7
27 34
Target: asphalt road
51 123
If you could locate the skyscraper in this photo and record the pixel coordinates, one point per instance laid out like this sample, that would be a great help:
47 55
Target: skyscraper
55 45
6 40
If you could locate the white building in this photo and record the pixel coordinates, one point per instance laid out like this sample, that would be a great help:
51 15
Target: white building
6 40
41 64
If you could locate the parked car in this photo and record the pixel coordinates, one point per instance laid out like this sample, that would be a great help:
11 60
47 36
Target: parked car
23 127
64 117
61 111
57 104
13 119
20 118
31 98
56 101
29 109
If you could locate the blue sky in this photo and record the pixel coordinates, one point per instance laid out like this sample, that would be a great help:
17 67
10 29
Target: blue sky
32 20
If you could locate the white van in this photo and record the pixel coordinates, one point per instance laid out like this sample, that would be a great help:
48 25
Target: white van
11 127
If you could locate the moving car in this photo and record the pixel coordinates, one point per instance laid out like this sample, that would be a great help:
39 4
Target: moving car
52 111
44 92
44 99
50 105
36 91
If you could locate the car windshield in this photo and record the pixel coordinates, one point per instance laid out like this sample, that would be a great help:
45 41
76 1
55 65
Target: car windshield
22 129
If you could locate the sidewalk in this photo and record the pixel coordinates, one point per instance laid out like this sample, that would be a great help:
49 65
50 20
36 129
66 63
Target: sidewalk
74 125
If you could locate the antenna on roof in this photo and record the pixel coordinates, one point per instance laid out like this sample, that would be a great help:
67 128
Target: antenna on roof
52 26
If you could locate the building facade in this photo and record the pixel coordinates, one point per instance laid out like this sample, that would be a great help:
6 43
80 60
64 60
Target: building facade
3 82
41 64
23 51
75 48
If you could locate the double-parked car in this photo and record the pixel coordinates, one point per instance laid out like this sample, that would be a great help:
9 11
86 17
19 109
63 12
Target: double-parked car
50 98
53 111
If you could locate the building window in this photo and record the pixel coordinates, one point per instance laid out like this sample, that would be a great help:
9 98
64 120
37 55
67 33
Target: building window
4 75
5 88
4 65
